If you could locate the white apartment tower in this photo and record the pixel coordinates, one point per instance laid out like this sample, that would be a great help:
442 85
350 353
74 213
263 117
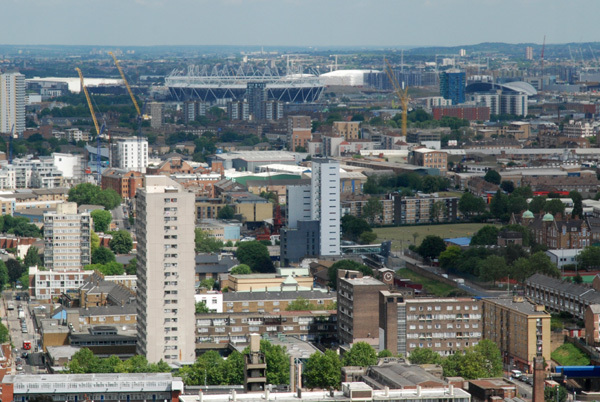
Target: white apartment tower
165 285
12 103
325 208
131 154
67 238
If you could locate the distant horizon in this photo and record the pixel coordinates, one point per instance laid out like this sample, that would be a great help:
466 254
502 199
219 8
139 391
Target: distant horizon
321 24
370 47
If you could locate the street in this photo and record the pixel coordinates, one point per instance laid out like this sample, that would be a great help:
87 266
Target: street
11 320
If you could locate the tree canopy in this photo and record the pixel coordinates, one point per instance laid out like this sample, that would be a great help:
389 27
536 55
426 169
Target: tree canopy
205 243
256 256
360 354
322 370
102 219
102 255
491 176
227 212
486 236
121 242
471 205
87 193
424 356
241 269
353 227
85 362
431 247
110 268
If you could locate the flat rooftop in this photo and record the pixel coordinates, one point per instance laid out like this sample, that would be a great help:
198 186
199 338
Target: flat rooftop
364 281
523 307
379 395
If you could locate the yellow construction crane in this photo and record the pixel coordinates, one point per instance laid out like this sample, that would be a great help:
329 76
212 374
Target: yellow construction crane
137 108
98 129
89 101
401 92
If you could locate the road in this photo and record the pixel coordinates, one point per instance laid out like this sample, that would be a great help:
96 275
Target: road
525 390
118 217
11 319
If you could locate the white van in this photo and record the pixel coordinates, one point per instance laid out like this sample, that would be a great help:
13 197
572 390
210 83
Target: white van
515 373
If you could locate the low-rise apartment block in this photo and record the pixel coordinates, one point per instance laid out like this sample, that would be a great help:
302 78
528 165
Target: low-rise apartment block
520 329
445 325
312 326
424 208
273 302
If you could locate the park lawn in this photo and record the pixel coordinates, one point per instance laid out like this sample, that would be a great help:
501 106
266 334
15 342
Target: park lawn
402 236
569 355
433 287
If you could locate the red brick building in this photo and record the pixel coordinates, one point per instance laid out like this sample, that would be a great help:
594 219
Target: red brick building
471 113
125 183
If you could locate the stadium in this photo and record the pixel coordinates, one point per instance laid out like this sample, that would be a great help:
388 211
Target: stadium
202 84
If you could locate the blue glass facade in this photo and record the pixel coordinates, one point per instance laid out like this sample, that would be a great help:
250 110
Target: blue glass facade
452 86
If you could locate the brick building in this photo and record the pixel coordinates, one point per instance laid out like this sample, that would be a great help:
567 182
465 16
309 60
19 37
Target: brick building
430 158
124 182
471 113
519 328
355 204
272 302
357 304
444 325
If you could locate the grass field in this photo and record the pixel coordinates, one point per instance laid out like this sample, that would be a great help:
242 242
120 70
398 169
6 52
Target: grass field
433 287
569 355
404 235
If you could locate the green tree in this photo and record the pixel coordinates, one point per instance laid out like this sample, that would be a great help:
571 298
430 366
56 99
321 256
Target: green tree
353 227
121 242
206 243
233 367
537 204
32 258
524 192
577 204
492 357
241 269
102 219
384 353
431 247
491 176
360 354
202 308
102 255
3 275
492 268
486 236
424 356
4 336
550 394
110 268
589 258
499 205
372 209
507 186
322 370
450 257
256 256
131 267
15 270
516 204
554 207
470 205
95 241
87 193
346 265
24 279
367 237
227 212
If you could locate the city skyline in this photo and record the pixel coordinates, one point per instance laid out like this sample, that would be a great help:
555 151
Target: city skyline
314 23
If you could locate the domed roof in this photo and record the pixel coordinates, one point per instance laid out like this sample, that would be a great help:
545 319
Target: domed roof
548 218
528 215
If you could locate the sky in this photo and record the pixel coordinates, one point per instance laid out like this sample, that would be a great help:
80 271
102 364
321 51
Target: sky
317 23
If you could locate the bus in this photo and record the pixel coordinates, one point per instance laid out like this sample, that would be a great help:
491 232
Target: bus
26 345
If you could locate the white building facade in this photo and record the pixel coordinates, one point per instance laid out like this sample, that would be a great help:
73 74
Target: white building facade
166 271
325 208
12 103
131 154
67 238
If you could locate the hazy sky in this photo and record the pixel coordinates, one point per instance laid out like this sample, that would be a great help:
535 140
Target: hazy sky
297 22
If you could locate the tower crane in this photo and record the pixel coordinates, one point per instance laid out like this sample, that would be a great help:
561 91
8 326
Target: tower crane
137 109
542 63
401 92
95 120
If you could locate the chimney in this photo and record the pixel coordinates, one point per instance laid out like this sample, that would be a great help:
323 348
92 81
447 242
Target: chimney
451 389
233 395
200 396
538 379
419 390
